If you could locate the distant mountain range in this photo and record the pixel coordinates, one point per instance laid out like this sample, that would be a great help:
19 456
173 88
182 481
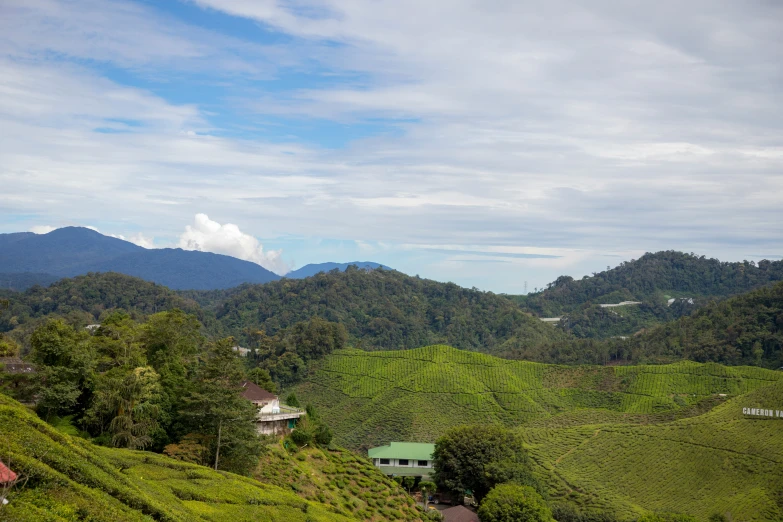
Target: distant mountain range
27 259
315 268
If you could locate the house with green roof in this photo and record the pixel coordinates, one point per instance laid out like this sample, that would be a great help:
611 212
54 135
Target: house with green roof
404 459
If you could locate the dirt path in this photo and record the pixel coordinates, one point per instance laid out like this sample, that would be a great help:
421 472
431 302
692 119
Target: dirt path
567 453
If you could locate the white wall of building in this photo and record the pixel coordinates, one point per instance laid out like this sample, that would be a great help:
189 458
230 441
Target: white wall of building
396 463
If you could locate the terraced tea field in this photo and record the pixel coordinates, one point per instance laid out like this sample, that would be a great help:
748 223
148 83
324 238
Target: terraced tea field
626 439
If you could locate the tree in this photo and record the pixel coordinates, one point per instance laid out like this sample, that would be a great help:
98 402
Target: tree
8 348
216 409
514 503
292 401
129 400
262 378
408 482
116 342
478 457
65 367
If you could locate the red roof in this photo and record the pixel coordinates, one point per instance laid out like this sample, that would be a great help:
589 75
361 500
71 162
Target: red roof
255 393
6 475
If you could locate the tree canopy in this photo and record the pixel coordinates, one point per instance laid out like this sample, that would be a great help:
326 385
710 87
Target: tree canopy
514 503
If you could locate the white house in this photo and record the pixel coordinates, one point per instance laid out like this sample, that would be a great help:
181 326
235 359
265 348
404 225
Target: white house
273 418
241 351
403 459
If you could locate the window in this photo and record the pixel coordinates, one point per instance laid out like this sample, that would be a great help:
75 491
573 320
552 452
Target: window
403 462
423 463
384 462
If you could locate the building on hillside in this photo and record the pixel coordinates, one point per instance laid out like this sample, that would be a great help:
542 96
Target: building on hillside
459 514
273 418
404 459
241 351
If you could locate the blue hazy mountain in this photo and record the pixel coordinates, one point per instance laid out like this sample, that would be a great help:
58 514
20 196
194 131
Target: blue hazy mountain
72 251
315 268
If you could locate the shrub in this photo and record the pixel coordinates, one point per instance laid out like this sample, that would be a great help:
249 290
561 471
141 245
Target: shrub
514 503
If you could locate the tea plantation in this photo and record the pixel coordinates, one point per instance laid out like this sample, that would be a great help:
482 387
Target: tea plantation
70 479
344 480
625 439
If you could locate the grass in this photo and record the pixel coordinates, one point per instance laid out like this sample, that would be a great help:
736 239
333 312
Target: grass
627 439
71 479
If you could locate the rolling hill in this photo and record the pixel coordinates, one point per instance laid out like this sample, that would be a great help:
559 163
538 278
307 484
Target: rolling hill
601 435
651 277
746 329
72 251
312 269
84 299
384 309
72 479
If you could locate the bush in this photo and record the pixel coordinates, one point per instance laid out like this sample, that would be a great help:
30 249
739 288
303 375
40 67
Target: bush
513 503
301 437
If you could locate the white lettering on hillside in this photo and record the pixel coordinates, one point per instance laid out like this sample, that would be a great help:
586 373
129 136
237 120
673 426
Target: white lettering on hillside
763 412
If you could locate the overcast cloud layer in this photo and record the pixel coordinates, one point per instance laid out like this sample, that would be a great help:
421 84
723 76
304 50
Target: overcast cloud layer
482 142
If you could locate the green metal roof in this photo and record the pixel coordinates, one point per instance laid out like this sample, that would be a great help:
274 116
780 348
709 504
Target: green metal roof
403 450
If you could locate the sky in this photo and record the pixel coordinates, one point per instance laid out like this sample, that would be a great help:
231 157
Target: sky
495 144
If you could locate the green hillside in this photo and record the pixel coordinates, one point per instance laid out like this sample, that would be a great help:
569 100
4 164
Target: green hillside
650 277
71 479
339 478
385 309
719 462
86 299
747 329
603 437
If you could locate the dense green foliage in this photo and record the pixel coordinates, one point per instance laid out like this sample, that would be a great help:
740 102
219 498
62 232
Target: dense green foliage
514 503
479 457
386 309
594 321
383 309
69 479
285 356
139 385
88 299
649 278
746 329
617 439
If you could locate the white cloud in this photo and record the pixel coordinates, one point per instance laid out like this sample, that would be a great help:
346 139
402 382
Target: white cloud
142 240
206 235
580 126
41 229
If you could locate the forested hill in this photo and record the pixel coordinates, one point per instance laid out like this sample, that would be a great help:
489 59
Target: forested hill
651 277
746 329
384 309
85 299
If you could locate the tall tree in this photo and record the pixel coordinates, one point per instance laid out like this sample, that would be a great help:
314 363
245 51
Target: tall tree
128 400
478 457
216 409
65 365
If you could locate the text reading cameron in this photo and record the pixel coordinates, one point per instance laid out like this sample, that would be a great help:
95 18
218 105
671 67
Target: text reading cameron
761 412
